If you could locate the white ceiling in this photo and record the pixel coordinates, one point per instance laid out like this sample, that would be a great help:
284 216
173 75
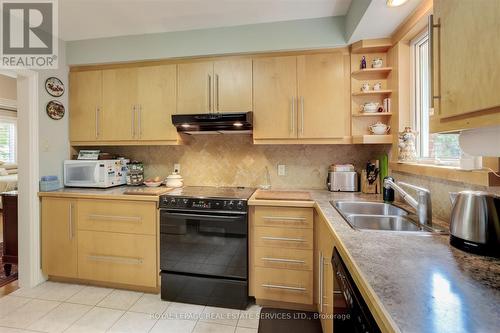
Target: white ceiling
380 21
86 19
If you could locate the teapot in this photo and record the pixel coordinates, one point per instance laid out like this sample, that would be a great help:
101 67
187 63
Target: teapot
379 128
370 107
174 180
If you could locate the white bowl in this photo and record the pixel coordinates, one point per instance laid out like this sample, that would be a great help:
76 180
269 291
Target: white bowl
152 184
370 109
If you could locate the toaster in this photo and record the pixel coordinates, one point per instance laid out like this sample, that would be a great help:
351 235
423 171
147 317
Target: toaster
475 222
342 181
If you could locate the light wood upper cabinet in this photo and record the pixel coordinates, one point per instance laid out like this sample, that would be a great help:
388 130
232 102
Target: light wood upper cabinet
275 98
467 49
323 96
59 237
233 85
85 105
119 91
194 88
156 103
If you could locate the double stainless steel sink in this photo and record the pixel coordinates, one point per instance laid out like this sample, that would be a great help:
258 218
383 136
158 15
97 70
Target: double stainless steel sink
372 215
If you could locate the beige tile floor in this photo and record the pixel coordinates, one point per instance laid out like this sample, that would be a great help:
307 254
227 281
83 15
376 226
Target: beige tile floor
63 307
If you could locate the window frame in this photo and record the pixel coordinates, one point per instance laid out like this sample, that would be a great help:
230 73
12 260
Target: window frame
11 118
418 114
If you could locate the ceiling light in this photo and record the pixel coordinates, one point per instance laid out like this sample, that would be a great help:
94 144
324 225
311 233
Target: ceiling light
238 124
396 3
185 125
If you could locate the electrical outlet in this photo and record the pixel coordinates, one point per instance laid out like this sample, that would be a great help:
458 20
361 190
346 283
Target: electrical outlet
177 167
281 170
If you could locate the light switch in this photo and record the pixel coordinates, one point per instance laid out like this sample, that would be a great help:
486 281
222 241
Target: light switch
281 170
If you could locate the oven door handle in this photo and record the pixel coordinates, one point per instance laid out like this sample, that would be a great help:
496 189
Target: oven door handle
204 216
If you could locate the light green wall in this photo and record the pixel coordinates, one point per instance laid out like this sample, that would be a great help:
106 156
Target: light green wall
275 36
354 15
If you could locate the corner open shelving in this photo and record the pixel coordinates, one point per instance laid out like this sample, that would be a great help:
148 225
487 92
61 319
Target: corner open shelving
360 121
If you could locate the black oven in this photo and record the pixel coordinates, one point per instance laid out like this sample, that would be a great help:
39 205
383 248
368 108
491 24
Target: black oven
203 253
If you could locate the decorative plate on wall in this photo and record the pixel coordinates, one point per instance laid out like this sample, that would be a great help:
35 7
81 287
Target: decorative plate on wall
54 87
55 110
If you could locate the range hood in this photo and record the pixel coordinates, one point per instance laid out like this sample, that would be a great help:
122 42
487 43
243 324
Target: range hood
214 123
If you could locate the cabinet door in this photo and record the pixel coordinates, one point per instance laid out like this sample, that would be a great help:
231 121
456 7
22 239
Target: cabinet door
156 99
469 53
233 85
195 88
323 93
85 99
59 244
274 100
119 87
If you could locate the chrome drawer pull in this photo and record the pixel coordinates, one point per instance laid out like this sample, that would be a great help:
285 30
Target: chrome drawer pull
117 260
284 239
291 261
276 286
285 218
115 218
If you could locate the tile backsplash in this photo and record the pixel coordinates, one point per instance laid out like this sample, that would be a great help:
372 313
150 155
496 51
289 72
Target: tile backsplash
440 189
233 160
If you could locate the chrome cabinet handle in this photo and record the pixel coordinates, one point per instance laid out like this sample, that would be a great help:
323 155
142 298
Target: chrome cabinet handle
116 259
320 282
284 239
116 218
277 286
285 218
301 115
217 91
430 29
133 121
70 227
290 261
140 120
209 92
292 115
97 112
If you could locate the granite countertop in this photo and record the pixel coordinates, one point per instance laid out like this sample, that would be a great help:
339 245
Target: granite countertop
423 283
117 193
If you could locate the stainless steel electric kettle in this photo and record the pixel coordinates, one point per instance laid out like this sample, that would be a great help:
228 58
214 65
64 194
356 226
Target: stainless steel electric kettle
475 222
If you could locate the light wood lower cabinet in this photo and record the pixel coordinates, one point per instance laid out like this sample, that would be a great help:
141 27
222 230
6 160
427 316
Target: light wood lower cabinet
108 241
323 273
59 237
129 217
281 254
282 285
117 258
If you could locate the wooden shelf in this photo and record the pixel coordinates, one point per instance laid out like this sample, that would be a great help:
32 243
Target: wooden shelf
372 92
373 139
373 114
371 45
372 71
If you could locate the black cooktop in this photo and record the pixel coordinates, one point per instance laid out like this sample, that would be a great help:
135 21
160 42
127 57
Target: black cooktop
212 192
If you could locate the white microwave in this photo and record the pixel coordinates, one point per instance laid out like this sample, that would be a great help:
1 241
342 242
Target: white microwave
100 173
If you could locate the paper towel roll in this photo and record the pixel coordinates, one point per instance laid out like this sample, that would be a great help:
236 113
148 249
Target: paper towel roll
481 141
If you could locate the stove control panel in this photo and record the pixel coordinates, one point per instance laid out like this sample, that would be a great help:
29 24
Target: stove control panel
203 204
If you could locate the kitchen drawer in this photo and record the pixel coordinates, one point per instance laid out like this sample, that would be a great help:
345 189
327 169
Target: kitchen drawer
117 258
275 257
117 216
284 285
284 217
289 238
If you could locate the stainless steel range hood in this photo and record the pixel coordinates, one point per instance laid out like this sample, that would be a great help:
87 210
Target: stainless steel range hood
214 123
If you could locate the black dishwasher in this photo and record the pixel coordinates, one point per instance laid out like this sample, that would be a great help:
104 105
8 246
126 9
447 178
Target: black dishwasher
356 317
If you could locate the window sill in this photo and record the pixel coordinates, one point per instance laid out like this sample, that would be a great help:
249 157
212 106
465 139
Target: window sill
475 177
